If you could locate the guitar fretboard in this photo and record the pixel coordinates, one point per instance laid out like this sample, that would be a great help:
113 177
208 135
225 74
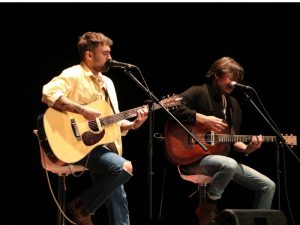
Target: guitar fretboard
120 116
230 138
241 138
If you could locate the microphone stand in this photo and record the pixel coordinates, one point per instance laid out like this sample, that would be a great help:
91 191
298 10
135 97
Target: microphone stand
156 100
150 164
280 138
164 108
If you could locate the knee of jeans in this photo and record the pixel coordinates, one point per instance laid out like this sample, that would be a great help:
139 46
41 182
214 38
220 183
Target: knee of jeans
127 166
231 165
271 186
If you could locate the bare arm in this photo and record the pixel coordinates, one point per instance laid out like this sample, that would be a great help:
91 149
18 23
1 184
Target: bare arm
65 104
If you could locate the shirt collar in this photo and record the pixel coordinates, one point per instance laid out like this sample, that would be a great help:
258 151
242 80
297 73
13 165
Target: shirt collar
87 71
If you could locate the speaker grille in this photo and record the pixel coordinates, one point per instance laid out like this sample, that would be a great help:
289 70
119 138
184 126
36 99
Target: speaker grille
250 217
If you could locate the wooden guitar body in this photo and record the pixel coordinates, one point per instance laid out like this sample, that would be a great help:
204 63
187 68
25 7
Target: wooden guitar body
181 149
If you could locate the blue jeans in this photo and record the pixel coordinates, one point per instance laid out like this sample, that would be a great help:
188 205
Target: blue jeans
108 177
223 169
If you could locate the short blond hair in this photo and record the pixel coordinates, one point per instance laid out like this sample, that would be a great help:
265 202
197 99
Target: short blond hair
90 41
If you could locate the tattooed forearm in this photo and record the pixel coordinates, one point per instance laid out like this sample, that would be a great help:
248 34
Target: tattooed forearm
64 104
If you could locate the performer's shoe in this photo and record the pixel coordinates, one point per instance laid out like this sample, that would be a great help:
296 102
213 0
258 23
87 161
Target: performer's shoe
206 211
79 213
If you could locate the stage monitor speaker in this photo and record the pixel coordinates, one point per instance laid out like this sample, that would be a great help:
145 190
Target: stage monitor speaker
250 217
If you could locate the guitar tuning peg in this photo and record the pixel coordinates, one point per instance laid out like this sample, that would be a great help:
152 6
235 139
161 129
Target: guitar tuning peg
167 96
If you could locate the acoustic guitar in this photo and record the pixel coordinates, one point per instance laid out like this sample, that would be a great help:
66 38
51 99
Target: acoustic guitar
71 137
182 149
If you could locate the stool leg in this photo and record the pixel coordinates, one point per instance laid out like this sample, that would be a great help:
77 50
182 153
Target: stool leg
202 196
61 197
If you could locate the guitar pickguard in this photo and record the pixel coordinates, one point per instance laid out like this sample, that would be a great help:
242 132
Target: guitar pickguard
89 138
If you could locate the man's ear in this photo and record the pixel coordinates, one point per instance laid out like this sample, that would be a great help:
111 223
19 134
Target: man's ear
88 54
216 76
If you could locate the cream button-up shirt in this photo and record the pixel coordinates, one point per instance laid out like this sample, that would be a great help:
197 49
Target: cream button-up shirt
79 85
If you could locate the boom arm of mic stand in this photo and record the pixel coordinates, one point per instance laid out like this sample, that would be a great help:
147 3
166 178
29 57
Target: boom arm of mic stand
279 136
128 72
281 139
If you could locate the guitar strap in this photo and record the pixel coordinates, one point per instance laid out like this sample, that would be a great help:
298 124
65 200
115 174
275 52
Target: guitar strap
226 106
208 98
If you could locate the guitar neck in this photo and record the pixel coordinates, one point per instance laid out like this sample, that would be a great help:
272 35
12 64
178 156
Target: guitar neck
242 138
119 116
168 102
125 115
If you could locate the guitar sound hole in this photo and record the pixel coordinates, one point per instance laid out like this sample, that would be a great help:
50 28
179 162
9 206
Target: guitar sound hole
207 138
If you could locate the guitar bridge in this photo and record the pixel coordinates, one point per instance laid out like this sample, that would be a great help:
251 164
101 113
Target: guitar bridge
207 138
75 130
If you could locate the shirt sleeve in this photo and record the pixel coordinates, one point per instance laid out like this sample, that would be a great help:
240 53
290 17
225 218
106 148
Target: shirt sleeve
186 112
57 87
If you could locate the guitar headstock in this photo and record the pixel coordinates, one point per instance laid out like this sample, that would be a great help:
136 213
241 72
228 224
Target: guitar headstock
290 139
168 102
171 101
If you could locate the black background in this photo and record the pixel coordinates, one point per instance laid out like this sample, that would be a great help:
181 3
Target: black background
174 45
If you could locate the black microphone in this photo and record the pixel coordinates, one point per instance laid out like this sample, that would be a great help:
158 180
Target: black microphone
116 64
234 84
